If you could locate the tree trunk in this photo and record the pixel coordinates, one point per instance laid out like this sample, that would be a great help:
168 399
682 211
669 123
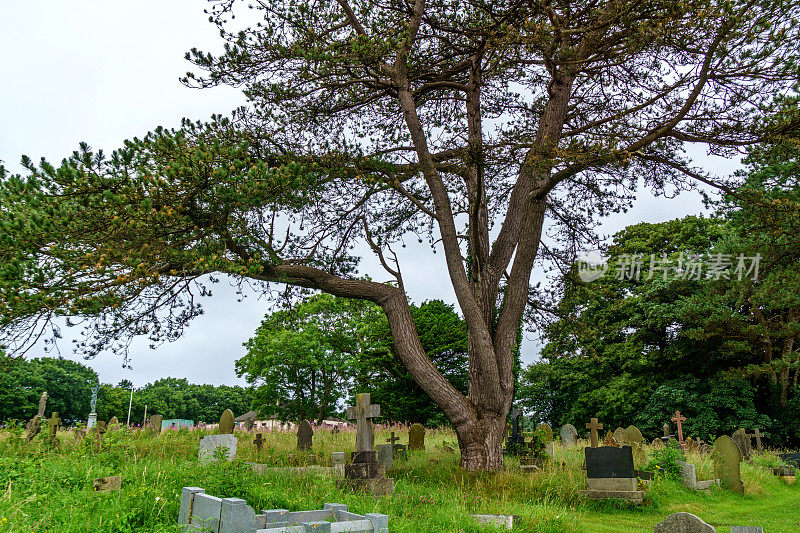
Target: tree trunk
481 444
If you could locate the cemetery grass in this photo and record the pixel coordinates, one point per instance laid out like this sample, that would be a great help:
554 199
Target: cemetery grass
46 490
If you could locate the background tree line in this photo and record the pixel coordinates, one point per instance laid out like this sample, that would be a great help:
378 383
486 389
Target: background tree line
722 350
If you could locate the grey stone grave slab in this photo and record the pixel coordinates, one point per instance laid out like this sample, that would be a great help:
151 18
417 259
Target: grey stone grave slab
497 520
610 474
689 477
385 455
683 523
569 435
210 443
747 529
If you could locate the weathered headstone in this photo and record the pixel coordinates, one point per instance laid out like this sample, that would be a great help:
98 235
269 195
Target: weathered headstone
54 423
156 421
610 474
569 435
503 521
679 419
305 435
338 460
211 443
416 438
667 430
690 445
727 459
610 440
545 429
34 425
259 441
619 435
385 455
363 413
107 484
689 477
593 426
757 434
742 440
631 436
683 523
226 422
113 423
249 422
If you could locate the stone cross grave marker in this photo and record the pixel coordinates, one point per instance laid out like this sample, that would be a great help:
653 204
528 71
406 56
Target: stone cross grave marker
259 441
742 439
679 419
416 437
226 422
393 439
54 422
727 459
593 426
304 435
568 435
363 413
757 434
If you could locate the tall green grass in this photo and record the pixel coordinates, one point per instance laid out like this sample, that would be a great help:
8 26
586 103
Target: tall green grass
46 489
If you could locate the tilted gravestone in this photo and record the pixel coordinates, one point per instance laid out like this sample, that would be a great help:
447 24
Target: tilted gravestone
226 422
683 523
727 459
305 435
416 438
33 426
610 474
569 435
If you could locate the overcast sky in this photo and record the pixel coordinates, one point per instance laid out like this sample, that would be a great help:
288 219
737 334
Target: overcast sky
101 72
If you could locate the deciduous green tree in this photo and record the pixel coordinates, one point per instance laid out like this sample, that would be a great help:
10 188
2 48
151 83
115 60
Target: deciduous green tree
465 122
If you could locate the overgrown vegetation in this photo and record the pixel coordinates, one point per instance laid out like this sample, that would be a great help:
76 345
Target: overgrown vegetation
45 490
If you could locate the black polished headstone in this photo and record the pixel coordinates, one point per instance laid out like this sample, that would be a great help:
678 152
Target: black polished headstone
609 461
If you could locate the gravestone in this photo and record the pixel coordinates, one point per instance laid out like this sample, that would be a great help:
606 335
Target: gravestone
515 441
259 441
619 435
113 423
689 477
338 461
226 422
210 443
631 436
569 435
657 443
416 438
747 529
610 474
107 484
304 436
200 511
54 423
683 523
90 423
666 429
366 473
363 413
727 459
610 440
593 426
757 434
503 521
742 440
545 429
249 422
156 421
690 445
385 455
34 425
679 419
